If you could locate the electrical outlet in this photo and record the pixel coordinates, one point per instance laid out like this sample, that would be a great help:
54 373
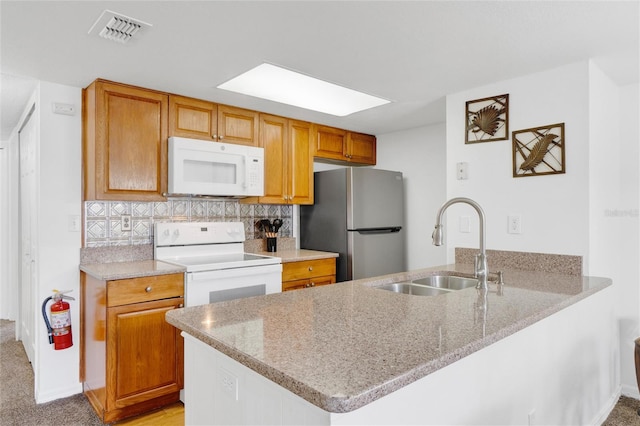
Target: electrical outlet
514 224
229 383
125 222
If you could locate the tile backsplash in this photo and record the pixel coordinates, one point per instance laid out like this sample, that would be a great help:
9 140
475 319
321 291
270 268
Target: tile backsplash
103 219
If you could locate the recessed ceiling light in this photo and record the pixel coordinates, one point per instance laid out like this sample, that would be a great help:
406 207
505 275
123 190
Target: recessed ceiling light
277 84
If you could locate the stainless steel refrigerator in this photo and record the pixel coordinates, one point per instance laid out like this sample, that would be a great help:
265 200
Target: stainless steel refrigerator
358 213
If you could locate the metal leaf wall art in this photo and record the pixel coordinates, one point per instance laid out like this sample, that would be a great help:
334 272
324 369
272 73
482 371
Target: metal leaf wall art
487 119
538 151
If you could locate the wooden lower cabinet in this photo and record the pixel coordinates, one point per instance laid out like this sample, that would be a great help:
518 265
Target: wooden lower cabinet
308 273
132 359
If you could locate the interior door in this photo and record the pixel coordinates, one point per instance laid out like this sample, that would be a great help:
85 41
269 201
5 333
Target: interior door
28 248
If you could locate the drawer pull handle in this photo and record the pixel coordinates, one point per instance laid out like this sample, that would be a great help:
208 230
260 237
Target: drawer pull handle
148 289
310 268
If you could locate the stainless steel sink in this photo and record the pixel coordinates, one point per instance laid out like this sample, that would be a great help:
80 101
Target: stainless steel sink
433 285
414 289
451 282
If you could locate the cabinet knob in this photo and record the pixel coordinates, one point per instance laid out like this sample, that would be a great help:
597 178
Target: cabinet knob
148 289
313 284
220 137
214 137
310 268
181 305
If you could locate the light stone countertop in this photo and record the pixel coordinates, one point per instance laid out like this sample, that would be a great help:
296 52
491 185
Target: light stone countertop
298 255
135 269
345 345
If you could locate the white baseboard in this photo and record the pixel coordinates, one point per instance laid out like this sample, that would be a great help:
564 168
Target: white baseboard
606 410
630 391
53 394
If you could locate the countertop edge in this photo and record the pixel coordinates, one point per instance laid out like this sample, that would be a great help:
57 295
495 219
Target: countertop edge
124 270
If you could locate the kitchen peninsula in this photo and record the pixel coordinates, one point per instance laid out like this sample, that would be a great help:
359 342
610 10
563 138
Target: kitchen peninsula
540 349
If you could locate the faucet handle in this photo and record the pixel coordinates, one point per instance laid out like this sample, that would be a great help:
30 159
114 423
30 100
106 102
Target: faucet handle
500 280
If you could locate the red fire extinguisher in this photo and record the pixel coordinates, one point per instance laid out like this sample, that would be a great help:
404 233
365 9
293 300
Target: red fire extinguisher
59 328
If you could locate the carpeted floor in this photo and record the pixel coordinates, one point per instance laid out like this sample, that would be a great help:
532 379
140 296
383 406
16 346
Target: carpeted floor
17 402
18 407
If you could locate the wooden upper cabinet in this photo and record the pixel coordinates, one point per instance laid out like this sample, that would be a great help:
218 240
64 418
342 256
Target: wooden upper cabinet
361 148
288 161
337 145
237 125
300 163
330 143
192 118
124 142
198 119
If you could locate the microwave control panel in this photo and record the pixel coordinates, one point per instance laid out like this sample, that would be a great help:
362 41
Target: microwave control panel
255 174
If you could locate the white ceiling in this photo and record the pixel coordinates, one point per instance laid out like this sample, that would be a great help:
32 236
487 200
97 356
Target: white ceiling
414 53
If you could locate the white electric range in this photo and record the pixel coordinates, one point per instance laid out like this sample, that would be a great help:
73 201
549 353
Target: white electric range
217 267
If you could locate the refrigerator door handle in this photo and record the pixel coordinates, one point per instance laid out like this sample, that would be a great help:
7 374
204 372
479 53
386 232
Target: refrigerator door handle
390 230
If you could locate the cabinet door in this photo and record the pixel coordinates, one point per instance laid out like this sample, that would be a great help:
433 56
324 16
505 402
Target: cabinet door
300 161
192 118
236 125
330 143
144 353
361 148
273 134
125 143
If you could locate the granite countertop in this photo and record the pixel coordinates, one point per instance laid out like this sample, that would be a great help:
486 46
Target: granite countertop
298 255
134 269
345 345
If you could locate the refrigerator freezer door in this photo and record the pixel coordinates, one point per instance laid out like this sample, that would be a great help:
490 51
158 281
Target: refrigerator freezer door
377 198
376 253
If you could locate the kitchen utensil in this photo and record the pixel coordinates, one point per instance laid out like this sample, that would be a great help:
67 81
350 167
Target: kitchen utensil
277 223
265 225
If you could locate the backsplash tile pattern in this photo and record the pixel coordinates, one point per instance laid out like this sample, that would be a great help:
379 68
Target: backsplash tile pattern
103 218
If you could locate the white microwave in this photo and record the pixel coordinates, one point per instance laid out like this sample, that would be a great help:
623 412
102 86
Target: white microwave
199 167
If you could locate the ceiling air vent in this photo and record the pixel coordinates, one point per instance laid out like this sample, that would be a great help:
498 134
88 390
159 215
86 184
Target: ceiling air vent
117 27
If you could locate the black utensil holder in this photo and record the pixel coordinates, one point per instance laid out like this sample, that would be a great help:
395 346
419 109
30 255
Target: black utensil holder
272 244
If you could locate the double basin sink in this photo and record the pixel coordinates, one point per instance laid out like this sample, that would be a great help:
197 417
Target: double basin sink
431 286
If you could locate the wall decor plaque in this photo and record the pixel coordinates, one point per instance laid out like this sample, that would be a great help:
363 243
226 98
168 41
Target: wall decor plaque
538 151
487 119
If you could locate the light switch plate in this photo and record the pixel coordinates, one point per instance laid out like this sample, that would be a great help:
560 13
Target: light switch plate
464 224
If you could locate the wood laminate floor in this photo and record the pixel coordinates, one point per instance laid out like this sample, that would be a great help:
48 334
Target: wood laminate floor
171 415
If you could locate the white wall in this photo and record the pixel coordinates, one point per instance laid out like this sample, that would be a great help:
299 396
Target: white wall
420 155
614 192
591 211
59 162
554 209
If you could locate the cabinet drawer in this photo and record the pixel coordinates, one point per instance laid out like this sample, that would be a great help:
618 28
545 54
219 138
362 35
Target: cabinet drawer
312 282
308 268
144 289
